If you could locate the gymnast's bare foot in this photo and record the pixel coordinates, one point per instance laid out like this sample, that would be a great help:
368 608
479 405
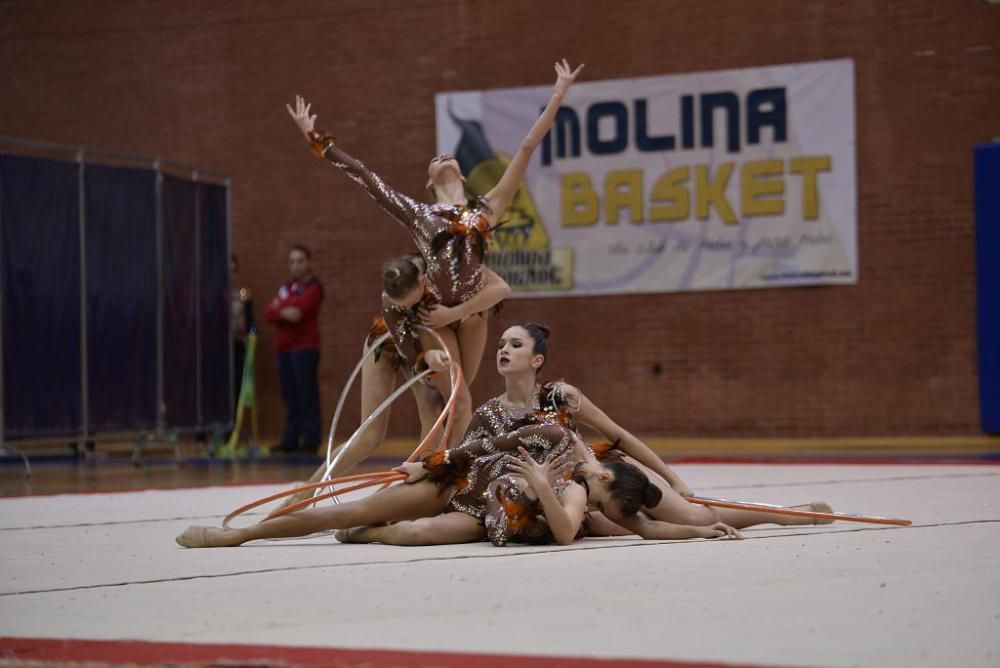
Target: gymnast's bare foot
363 534
208 537
817 507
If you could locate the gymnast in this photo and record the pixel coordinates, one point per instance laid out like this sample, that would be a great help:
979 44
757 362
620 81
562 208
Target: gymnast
617 488
446 286
478 489
520 356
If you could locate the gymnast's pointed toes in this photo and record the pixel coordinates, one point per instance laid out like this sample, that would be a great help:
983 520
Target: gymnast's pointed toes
822 507
817 507
208 537
192 537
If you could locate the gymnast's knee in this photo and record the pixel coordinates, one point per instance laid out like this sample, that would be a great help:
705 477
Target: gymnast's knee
410 533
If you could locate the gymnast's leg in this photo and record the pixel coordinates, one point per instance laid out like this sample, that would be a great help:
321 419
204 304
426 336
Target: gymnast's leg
446 529
399 502
675 509
378 379
463 400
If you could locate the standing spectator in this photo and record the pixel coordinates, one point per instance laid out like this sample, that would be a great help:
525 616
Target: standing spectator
295 314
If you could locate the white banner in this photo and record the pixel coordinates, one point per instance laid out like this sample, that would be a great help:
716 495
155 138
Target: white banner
705 181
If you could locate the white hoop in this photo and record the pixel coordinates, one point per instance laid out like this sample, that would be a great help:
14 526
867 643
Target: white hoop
343 393
334 457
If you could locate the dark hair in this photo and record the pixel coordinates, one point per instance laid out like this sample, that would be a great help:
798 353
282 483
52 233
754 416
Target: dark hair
399 276
540 336
305 251
632 488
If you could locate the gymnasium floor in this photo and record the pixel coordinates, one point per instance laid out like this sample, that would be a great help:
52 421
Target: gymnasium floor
97 578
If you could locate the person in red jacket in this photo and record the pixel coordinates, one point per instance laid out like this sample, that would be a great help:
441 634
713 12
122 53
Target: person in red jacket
295 314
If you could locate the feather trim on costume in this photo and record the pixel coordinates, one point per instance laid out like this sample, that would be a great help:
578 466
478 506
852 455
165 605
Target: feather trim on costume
561 417
465 222
604 450
512 514
447 468
388 347
319 141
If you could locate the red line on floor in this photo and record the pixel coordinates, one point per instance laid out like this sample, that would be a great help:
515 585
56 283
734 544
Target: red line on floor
831 461
54 650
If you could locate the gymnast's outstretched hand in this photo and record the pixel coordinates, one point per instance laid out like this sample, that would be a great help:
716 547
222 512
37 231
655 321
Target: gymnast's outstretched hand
720 530
565 76
414 471
301 115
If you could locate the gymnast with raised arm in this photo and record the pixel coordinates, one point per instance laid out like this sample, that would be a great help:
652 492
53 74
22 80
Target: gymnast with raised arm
446 286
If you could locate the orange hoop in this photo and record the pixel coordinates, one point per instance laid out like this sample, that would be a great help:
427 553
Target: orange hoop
781 510
384 478
378 476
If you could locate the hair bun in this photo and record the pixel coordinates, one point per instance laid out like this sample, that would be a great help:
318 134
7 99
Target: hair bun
651 495
544 329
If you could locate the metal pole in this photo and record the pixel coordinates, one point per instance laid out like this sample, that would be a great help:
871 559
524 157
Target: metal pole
197 299
229 255
160 408
84 362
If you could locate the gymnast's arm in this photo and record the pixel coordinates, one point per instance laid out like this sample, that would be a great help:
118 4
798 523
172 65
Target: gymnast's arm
494 291
445 466
564 514
649 529
592 416
403 209
500 197
552 434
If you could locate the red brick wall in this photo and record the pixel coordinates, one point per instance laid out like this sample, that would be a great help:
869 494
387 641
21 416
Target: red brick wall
206 83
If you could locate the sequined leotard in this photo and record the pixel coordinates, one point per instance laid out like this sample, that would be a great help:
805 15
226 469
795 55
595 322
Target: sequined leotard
478 473
451 239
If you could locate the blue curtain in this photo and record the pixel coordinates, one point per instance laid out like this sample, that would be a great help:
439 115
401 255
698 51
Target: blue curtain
121 297
216 345
180 370
987 186
40 239
40 273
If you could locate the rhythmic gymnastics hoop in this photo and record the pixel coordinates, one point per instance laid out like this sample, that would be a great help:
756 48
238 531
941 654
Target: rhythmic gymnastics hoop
385 478
455 373
782 510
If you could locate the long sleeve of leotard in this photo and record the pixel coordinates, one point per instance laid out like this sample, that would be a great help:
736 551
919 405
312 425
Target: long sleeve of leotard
445 466
405 210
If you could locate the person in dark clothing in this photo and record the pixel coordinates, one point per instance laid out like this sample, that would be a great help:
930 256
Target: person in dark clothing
295 314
